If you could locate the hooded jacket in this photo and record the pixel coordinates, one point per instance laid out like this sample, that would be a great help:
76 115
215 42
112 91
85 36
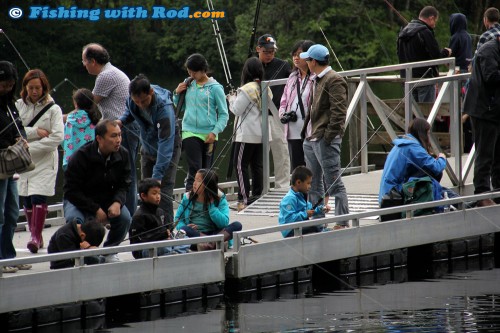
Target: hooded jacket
78 131
157 126
247 109
483 96
205 108
460 42
408 159
293 208
41 180
416 42
219 214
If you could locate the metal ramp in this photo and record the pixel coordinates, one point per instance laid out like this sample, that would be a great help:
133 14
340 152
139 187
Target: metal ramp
268 204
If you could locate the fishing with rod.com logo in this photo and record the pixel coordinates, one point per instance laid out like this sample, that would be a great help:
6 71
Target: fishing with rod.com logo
125 12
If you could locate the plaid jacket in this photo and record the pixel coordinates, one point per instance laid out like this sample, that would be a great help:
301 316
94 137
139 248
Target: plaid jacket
489 34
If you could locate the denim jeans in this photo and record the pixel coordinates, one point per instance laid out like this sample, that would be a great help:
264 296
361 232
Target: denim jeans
164 251
130 141
426 94
324 161
119 225
487 164
168 182
9 212
232 227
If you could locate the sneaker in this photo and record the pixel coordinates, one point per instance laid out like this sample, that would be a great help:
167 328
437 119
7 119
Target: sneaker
110 258
23 267
9 269
240 206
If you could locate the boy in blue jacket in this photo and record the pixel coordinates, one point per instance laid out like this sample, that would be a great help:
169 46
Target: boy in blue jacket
294 207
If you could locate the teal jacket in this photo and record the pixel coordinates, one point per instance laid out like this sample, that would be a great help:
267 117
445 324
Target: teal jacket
218 214
205 108
293 208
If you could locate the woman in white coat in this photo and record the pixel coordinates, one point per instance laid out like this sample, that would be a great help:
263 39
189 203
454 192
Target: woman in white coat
248 129
42 120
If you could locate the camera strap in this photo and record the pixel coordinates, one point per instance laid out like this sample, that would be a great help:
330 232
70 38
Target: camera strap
299 95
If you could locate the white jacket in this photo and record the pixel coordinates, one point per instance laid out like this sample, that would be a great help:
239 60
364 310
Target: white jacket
246 107
42 180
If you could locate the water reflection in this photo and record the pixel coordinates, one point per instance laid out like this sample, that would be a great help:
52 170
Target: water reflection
460 302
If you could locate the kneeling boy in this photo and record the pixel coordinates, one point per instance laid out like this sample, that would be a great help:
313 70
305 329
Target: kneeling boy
294 207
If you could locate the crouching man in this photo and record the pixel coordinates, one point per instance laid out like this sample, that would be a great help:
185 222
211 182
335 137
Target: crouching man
96 183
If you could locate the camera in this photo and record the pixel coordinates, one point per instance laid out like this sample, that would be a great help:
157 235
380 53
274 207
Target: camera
288 117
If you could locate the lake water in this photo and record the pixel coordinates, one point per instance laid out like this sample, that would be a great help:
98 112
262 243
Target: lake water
457 302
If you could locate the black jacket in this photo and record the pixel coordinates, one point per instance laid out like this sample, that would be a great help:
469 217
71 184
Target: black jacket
8 131
416 42
274 70
460 42
483 96
147 217
65 239
91 183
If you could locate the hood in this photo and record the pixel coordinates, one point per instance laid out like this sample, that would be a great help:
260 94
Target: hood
79 119
412 28
405 140
211 82
458 22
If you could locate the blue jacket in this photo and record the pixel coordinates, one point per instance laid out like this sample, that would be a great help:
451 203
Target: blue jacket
293 208
157 126
218 214
408 159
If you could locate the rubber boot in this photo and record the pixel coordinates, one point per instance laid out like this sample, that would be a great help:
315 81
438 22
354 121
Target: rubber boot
37 222
212 245
28 212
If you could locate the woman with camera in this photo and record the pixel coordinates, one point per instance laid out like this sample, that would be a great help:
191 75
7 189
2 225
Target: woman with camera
295 103
248 152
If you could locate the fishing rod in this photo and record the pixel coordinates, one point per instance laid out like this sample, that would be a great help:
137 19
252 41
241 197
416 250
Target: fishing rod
254 29
401 17
230 139
15 49
222 51
320 200
331 48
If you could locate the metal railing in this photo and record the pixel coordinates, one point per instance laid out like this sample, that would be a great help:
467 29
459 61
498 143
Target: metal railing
364 94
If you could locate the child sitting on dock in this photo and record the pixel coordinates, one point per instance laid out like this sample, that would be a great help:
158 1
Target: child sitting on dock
73 236
294 207
149 221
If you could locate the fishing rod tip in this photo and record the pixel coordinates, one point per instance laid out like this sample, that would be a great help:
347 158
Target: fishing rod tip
1 31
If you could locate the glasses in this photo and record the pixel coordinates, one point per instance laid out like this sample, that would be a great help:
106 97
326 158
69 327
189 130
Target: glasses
309 59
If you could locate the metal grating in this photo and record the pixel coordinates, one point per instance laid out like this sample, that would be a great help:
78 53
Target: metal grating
268 205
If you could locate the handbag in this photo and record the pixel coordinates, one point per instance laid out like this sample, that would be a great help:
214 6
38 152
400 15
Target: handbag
15 158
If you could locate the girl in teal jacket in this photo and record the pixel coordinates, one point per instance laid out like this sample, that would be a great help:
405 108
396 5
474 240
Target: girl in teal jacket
205 115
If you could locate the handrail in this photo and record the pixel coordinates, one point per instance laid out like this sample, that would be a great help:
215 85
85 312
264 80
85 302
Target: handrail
355 217
80 254
359 99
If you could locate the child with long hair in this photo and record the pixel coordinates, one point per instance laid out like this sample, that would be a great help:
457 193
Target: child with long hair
248 148
80 125
204 210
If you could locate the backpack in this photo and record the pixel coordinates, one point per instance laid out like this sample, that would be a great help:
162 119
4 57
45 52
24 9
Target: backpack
418 190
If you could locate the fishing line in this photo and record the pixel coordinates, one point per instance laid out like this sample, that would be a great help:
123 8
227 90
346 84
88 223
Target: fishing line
368 140
15 49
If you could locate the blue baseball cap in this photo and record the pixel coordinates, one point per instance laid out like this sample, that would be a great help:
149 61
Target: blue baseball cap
317 52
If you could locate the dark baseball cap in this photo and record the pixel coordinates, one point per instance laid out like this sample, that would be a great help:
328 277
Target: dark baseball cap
267 41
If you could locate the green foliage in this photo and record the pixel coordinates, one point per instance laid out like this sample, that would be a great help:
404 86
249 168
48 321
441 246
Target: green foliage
362 33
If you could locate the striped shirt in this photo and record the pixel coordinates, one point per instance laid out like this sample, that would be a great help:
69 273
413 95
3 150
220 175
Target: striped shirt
489 34
112 85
